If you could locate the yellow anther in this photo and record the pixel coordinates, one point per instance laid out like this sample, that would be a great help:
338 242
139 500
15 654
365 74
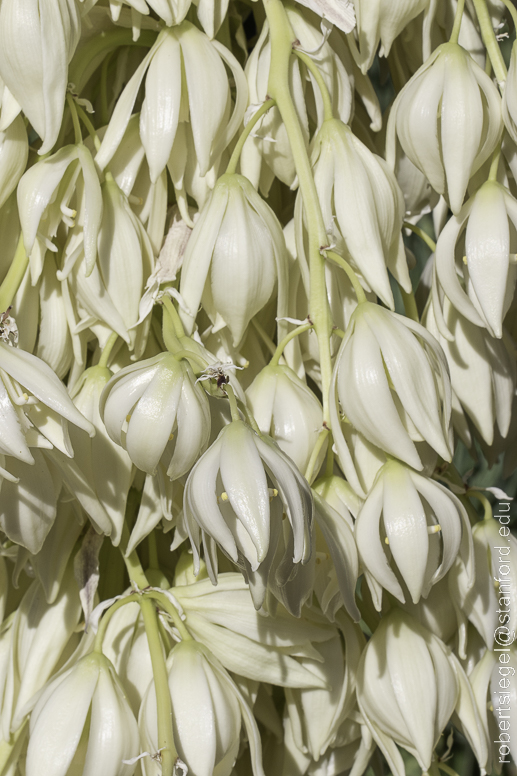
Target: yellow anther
386 540
128 418
224 496
433 529
171 436
464 259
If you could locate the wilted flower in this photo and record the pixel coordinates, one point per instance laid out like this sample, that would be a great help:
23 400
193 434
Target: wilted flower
37 41
235 258
82 721
235 497
417 524
392 382
477 246
358 189
156 408
448 121
196 90
286 408
411 670
208 711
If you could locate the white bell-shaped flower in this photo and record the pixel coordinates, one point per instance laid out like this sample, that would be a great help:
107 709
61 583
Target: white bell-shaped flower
185 81
235 497
483 374
377 23
411 670
37 41
448 121
156 408
287 409
359 191
208 711
392 382
475 257
412 525
83 722
235 259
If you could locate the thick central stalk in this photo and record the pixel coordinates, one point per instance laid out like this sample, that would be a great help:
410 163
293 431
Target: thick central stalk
282 38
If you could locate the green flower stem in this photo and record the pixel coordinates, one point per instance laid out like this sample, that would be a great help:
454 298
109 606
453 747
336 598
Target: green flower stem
320 441
268 342
171 610
282 38
457 22
340 261
487 506
234 159
494 166
89 126
176 320
423 235
513 11
189 355
249 417
285 341
90 56
227 388
75 119
107 349
490 40
14 277
410 305
161 683
322 86
99 638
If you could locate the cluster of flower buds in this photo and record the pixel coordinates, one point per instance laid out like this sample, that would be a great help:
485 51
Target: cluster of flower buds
258 387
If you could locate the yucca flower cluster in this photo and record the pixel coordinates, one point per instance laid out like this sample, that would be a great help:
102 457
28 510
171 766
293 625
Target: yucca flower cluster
258 417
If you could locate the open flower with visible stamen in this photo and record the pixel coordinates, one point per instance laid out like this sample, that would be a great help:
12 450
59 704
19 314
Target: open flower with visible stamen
235 498
158 412
411 525
392 382
448 121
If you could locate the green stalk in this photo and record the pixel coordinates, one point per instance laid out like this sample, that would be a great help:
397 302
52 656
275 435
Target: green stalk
320 441
78 138
234 160
107 349
99 638
282 39
322 86
423 235
14 277
340 261
161 681
233 402
490 40
457 22
285 341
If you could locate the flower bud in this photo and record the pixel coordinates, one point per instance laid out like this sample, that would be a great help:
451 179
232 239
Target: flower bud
357 189
235 258
228 495
286 408
82 722
477 246
195 90
207 715
411 670
37 42
448 121
156 408
414 511
392 382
